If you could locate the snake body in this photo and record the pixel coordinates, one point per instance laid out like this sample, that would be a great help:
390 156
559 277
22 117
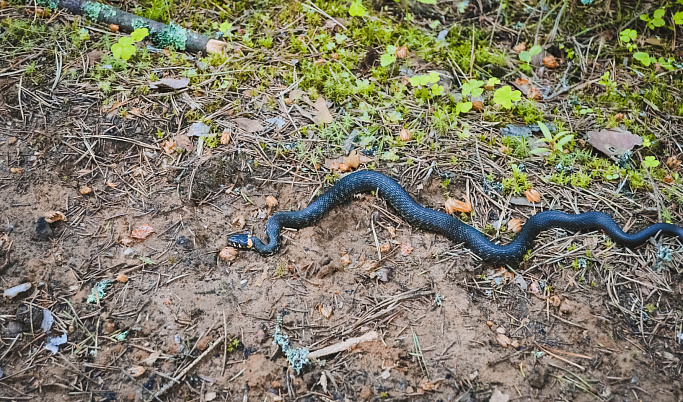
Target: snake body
442 223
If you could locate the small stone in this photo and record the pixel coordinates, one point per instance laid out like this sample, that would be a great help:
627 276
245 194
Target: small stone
276 384
500 330
14 328
409 390
27 315
128 252
489 323
108 327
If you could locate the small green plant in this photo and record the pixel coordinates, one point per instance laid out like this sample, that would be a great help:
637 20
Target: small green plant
656 20
356 9
650 162
555 142
473 88
125 48
504 96
629 36
644 58
422 82
389 57
678 18
526 55
609 84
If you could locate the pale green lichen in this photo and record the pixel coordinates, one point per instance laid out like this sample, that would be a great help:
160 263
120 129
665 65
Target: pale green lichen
99 291
93 10
173 36
45 3
298 357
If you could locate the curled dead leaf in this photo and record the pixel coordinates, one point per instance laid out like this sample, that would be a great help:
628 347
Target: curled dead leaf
384 247
452 206
489 323
54 216
184 142
520 47
228 254
405 135
619 117
271 201
111 184
123 278
353 160
142 232
503 340
402 52
550 61
532 195
136 371
345 259
225 138
427 385
534 93
555 301
325 310
239 221
478 105
535 289
514 225
406 249
85 190
323 114
673 162
168 146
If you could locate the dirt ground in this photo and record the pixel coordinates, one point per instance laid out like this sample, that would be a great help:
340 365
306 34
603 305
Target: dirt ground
178 322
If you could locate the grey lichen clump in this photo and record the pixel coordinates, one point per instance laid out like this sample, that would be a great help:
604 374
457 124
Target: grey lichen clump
298 357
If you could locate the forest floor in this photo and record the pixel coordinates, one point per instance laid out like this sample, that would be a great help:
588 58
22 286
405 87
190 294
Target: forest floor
119 192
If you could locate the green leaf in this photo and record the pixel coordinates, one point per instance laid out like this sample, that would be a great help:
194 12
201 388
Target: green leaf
492 82
146 260
127 52
642 57
563 141
645 17
538 151
357 9
535 50
126 41
463 107
116 50
628 35
650 162
437 90
427 1
433 78
139 34
678 18
525 56
473 87
545 130
387 59
659 13
504 96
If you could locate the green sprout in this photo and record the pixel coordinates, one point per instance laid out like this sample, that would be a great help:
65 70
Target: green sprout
125 48
644 58
473 87
389 57
504 96
556 142
650 162
356 9
656 20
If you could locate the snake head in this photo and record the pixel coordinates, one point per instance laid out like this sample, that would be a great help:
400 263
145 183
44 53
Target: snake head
242 240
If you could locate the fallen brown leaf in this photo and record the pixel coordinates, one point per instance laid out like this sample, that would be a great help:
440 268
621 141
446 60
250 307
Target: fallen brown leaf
520 47
550 61
184 142
514 225
613 143
54 216
170 83
142 232
453 206
248 125
533 195
228 254
323 114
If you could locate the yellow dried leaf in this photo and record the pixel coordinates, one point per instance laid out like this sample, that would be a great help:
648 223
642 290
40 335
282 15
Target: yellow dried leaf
453 206
405 135
225 138
532 195
169 146
353 160
271 201
514 225
85 190
16 170
142 232
54 216
385 247
550 61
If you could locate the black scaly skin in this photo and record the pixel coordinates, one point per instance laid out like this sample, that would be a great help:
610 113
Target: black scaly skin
444 224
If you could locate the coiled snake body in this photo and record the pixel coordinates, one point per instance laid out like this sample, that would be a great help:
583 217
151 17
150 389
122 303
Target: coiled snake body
442 223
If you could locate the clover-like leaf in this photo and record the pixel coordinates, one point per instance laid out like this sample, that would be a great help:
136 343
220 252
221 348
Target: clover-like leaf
116 50
628 35
139 34
678 18
535 50
389 57
504 96
463 107
642 57
650 162
357 9
473 87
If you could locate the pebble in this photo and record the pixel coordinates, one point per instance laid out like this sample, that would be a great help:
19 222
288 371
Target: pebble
128 252
260 336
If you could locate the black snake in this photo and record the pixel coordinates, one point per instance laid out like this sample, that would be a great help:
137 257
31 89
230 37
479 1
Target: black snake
442 223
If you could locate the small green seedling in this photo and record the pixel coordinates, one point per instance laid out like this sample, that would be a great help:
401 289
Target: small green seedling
504 96
607 81
629 36
424 79
650 162
473 87
526 56
556 143
463 107
657 19
356 9
644 58
491 83
678 18
125 48
389 57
